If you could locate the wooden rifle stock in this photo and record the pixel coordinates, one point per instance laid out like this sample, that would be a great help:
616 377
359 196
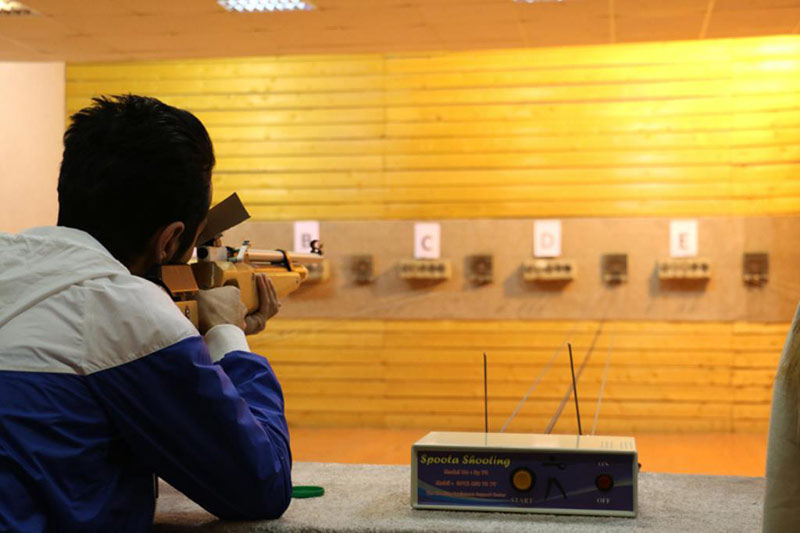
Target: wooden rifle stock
218 266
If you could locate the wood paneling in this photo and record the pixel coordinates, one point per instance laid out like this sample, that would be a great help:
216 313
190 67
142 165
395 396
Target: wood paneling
654 376
646 130
682 128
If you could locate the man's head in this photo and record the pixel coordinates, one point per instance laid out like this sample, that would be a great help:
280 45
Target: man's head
136 175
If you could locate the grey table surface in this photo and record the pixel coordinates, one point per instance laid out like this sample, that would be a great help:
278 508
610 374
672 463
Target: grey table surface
376 498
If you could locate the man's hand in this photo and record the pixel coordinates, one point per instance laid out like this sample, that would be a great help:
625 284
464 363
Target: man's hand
268 306
222 305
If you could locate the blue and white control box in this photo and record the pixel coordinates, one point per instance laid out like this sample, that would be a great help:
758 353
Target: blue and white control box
527 473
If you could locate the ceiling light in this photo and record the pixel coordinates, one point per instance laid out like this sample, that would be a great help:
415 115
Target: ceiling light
9 7
261 6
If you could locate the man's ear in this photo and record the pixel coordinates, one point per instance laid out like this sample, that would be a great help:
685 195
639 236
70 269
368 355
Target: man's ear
168 241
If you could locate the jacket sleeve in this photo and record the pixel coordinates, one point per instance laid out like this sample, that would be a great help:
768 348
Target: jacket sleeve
216 431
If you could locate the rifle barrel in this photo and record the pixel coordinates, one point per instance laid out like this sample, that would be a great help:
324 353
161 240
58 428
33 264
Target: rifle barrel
275 256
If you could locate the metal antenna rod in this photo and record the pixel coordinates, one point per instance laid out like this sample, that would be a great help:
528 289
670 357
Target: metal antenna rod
545 370
603 384
574 388
567 393
538 380
485 397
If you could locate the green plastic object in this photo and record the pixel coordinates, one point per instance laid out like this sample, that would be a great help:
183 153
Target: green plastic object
307 491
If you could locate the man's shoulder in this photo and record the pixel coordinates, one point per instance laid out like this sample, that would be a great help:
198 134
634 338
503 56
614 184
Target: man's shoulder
127 317
93 325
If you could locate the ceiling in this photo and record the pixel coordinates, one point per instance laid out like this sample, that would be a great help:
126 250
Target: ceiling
119 30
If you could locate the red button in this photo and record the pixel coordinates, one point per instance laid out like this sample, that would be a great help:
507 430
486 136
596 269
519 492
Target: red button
604 482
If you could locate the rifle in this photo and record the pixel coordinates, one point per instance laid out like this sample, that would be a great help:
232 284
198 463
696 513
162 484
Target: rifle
215 265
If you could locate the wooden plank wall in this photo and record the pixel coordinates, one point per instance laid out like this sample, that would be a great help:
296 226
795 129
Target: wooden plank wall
680 128
661 377
656 129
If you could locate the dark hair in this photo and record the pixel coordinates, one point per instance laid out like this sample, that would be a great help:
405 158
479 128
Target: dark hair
132 165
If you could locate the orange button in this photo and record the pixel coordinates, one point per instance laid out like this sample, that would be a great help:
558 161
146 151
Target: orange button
522 479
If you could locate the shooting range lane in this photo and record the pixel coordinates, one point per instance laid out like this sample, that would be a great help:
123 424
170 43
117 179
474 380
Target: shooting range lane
375 498
646 240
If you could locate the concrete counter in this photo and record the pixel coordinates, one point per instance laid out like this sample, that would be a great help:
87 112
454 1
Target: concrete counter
374 498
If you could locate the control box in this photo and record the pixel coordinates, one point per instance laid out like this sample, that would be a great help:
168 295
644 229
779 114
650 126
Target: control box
684 268
425 269
548 270
526 473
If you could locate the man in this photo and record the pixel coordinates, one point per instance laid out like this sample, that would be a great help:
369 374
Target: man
103 382
782 499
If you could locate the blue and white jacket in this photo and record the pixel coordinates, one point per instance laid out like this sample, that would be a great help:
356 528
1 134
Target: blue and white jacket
104 383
